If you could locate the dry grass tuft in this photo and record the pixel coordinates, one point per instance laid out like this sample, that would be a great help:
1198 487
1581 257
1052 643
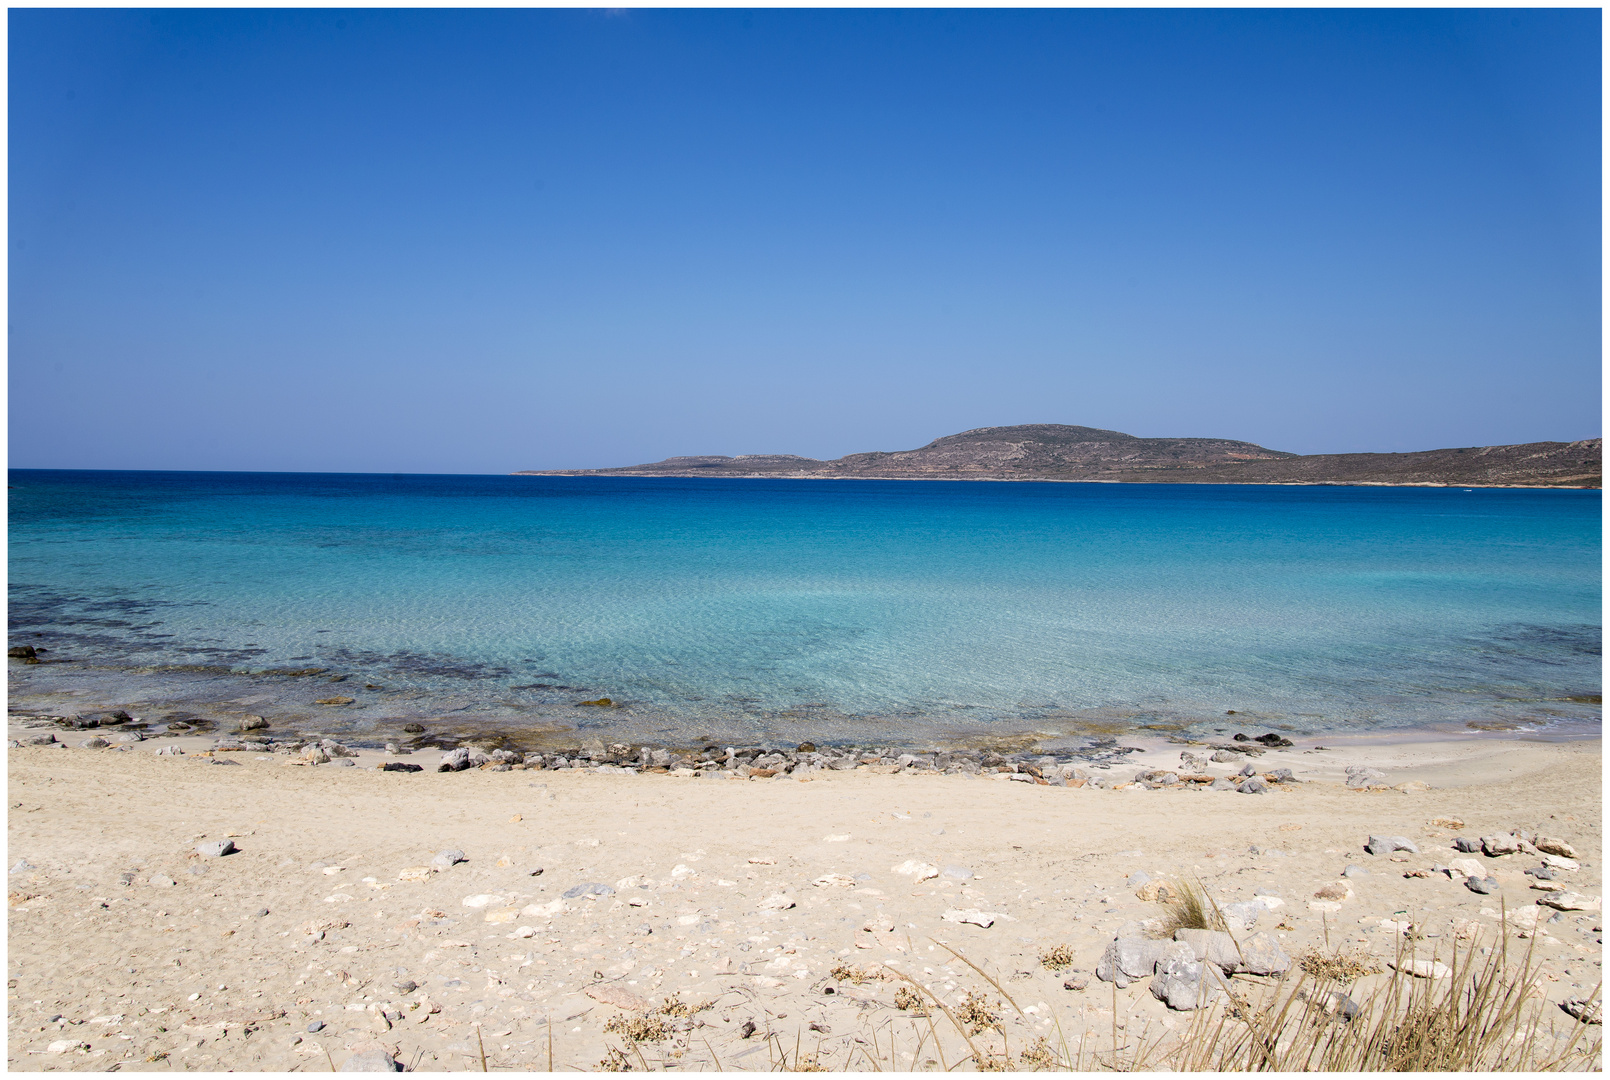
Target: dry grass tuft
639 1028
1189 908
1039 1056
1057 959
614 1061
675 1007
1337 966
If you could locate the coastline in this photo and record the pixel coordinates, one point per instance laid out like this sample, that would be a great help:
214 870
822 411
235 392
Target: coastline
603 475
328 916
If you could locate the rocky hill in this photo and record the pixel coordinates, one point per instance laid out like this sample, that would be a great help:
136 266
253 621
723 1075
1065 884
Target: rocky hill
1066 452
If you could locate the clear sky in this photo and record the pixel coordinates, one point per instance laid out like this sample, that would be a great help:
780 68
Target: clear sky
427 241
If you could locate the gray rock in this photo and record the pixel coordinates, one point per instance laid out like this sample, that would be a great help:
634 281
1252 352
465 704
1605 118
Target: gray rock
1360 777
1494 846
252 723
1137 879
1130 958
1225 757
1185 984
318 755
1222 784
1248 770
372 1059
315 1027
1242 916
444 859
38 740
1484 885
1214 946
1283 776
1355 871
346 761
1254 785
1265 890
455 760
1587 1010
1262 955
97 743
216 848
590 888
1381 845
1466 845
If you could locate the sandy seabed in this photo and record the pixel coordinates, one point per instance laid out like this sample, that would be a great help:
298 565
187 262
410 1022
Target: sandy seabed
128 949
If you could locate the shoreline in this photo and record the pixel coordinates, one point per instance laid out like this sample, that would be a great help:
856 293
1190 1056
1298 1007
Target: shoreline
586 900
1049 480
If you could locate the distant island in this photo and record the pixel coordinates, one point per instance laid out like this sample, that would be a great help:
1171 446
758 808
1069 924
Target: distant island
1070 453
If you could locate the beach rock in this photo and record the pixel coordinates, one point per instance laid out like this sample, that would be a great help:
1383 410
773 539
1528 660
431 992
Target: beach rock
1465 844
1214 946
1262 955
66 1046
344 762
1355 871
1185 984
1587 1010
1137 879
1191 762
917 871
590 888
1421 969
414 729
1360 777
1495 846
37 740
1381 845
1554 846
1242 916
21 652
401 766
1130 958
1281 776
1225 757
1467 867
1271 739
442 860
252 723
94 744
1222 784
334 701
1560 862
1249 769
216 848
776 902
370 1059
1482 885
1570 901
315 1027
1253 785
455 760
318 755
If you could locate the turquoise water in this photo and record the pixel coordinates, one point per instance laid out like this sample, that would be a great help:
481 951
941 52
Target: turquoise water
810 608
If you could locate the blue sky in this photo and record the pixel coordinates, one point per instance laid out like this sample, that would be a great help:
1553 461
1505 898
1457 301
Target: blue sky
427 241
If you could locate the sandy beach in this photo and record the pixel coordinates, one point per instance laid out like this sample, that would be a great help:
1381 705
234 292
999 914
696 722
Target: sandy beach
774 910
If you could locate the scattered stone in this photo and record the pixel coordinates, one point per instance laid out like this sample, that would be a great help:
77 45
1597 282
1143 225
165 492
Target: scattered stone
1130 958
1495 846
1412 787
96 743
216 848
1421 969
1253 785
455 760
1076 982
66 1046
1222 784
843 881
481 900
1382 845
1553 846
21 652
315 1027
445 859
161 881
1360 777
957 873
1483 885
334 701
38 740
252 723
590 888
1355 871
986 919
1281 776
22 866
1466 845
1242 916
1185 984
1225 757
1214 946
1467 868
1560 862
917 871
1570 901
1584 1009
1262 955
414 729
370 1059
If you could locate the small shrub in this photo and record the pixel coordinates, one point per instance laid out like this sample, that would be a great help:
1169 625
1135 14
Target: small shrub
1340 967
1039 1055
1189 908
856 975
908 1000
639 1028
976 1013
1057 959
615 1061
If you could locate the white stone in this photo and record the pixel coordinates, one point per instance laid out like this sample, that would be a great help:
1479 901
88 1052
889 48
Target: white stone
985 919
480 900
918 871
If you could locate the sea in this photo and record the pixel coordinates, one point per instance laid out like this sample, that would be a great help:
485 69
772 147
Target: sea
897 613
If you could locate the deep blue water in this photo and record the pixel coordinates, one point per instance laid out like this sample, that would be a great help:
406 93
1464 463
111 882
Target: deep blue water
809 605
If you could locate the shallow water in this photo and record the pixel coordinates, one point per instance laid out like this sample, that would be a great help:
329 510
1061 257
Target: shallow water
903 612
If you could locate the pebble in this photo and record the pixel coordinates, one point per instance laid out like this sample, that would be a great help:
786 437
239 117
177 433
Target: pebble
1570 901
917 871
1467 845
1355 871
956 873
66 1046
161 881
1483 885
315 1027
1381 845
589 888
442 860
776 902
369 1059
1554 846
216 848
1494 846
1421 969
